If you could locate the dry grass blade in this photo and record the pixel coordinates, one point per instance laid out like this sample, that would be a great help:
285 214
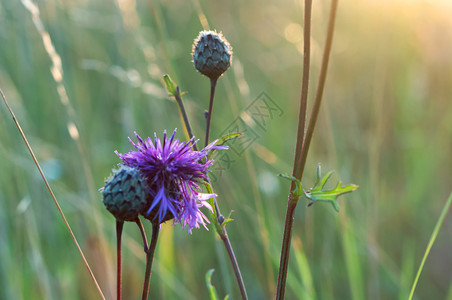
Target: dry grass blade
51 193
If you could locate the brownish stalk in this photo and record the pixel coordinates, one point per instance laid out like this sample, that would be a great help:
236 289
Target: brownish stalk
235 265
292 203
119 227
143 235
301 152
149 260
320 88
35 160
213 85
304 84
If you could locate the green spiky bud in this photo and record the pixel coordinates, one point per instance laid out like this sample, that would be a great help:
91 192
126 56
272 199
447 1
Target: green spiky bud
212 54
124 194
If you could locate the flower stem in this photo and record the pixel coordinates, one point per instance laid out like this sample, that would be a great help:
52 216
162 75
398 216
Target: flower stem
223 233
235 265
149 259
302 147
217 219
320 88
285 251
221 230
180 103
304 85
119 227
213 85
143 235
292 203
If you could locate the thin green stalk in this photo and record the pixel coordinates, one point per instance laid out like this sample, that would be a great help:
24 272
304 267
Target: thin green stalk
221 230
213 85
181 106
300 159
438 225
66 223
119 227
149 260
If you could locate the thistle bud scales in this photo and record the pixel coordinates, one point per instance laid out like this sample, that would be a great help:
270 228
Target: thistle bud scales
124 194
212 54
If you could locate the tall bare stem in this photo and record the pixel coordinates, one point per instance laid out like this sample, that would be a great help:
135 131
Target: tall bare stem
119 227
320 88
304 141
292 203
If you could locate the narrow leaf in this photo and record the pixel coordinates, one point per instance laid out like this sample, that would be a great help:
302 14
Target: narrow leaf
318 194
226 221
298 192
212 291
317 180
221 141
170 85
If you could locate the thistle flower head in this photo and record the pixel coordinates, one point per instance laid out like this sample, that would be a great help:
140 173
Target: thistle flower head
124 194
172 170
212 54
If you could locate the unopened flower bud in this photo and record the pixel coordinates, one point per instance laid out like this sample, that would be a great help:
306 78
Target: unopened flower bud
212 54
124 194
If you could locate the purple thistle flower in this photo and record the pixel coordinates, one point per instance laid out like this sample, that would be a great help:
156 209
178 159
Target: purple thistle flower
173 171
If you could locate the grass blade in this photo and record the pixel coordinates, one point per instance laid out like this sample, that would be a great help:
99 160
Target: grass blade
51 194
438 225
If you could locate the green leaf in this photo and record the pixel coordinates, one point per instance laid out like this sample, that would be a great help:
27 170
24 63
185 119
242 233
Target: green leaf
317 180
170 85
221 141
222 221
318 194
212 291
226 221
298 192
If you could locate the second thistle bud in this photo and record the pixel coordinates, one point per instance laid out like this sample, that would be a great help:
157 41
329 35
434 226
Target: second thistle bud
212 54
124 194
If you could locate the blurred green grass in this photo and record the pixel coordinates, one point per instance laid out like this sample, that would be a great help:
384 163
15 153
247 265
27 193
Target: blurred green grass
386 125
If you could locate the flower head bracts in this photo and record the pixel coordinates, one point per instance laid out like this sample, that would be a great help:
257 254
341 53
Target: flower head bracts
173 171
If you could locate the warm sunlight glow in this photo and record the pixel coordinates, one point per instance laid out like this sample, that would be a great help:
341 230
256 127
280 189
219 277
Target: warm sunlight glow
293 33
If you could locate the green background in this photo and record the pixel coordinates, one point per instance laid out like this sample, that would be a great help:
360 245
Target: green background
385 124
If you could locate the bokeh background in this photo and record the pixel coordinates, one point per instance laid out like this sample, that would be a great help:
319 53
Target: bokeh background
82 76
